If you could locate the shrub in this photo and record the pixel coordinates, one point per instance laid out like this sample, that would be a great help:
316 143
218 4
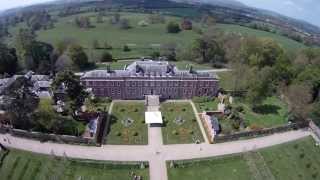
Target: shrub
126 48
191 132
173 27
183 109
301 155
118 133
194 120
136 110
239 108
135 134
122 110
106 57
174 132
308 165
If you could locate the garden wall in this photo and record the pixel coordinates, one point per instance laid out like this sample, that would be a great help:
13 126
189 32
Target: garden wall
263 132
48 137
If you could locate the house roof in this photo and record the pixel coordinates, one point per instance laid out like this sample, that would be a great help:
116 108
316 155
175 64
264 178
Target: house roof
149 68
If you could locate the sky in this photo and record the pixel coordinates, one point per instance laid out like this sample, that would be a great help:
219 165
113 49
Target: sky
308 10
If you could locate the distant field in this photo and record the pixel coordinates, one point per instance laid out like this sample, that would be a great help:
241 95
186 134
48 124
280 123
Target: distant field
298 160
142 40
286 43
21 165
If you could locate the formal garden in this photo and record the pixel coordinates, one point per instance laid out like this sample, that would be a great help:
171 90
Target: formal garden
18 165
291 161
180 124
127 124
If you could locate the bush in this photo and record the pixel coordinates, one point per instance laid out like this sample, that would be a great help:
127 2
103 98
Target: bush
118 133
173 27
174 132
126 48
191 132
136 110
135 134
239 108
106 57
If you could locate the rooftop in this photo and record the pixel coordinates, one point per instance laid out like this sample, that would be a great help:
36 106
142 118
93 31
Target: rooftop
149 68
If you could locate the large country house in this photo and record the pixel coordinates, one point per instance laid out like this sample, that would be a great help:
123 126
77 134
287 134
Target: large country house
147 77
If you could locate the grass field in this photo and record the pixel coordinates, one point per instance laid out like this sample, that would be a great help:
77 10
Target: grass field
298 160
273 112
207 106
286 43
141 40
122 132
175 132
21 165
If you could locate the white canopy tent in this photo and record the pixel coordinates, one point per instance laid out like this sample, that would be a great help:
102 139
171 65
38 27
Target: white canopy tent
153 117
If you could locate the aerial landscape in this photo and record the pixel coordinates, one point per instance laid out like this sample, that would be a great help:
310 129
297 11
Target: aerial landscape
159 90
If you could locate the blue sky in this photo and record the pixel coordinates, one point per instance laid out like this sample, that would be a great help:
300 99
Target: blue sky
308 10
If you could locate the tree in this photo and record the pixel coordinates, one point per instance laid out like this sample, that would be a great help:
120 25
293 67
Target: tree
23 44
261 52
75 90
21 103
95 44
126 48
99 18
83 22
124 23
115 18
173 27
259 86
208 49
169 50
62 45
299 98
106 57
8 60
78 56
63 63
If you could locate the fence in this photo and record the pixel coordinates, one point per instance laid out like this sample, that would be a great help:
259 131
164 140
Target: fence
263 132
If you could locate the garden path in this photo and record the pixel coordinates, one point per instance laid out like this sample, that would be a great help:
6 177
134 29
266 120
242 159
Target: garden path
156 157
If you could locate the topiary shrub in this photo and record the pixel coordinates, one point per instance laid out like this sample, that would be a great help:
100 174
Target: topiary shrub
191 132
135 134
118 133
136 110
174 132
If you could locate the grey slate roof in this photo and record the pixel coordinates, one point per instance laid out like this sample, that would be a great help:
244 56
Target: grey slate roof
149 68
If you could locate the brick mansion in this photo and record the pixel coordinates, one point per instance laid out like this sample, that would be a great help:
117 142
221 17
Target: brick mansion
147 77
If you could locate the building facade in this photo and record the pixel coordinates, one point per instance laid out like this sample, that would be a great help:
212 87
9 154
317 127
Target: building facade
147 77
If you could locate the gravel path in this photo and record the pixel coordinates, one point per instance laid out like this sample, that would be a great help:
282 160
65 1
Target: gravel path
154 153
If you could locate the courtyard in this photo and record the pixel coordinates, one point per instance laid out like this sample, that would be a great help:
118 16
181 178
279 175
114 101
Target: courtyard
127 124
180 124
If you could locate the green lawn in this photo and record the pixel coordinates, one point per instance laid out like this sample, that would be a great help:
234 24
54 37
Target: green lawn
175 132
21 165
298 160
286 43
122 132
273 113
294 161
229 168
207 106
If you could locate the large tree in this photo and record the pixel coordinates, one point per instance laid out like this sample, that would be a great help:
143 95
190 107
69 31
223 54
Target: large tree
75 90
8 60
21 103
78 56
